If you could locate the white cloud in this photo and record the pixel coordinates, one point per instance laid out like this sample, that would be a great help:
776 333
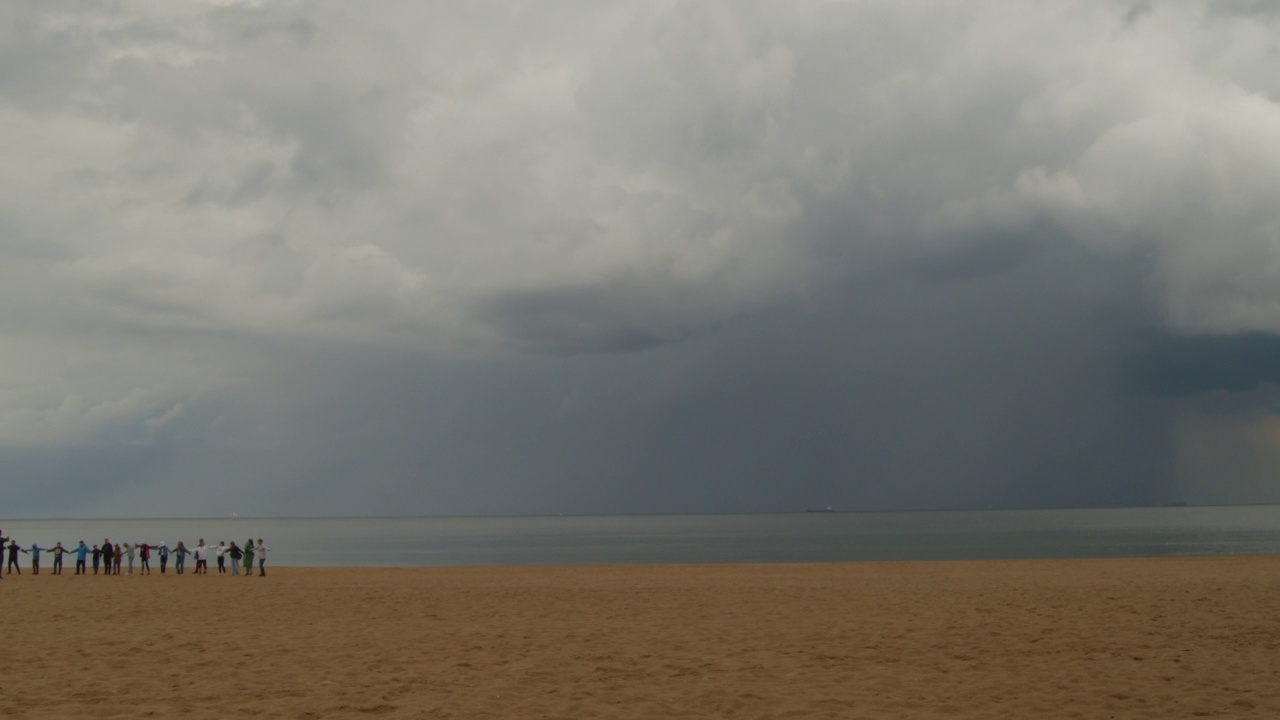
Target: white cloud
406 175
177 412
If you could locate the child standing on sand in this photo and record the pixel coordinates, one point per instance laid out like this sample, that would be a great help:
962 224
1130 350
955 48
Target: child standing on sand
128 553
180 557
35 558
236 555
262 558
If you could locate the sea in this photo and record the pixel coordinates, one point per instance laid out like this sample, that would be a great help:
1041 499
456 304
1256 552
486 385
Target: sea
747 538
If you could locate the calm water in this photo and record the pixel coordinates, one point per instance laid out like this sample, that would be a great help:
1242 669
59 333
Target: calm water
799 537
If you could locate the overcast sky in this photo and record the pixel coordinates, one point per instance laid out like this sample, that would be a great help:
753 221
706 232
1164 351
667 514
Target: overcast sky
335 258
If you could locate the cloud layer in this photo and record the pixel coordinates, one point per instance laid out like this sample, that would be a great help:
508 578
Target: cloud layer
600 257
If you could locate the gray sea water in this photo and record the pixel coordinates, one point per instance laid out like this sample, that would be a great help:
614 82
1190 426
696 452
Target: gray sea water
770 538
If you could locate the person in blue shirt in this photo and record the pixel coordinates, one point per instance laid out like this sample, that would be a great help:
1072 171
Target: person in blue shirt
180 554
82 554
35 558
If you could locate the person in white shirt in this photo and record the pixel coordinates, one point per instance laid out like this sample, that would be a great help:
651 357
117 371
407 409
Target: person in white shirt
201 554
221 552
262 558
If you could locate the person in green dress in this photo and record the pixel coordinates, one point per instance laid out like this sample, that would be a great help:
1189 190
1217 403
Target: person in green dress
248 557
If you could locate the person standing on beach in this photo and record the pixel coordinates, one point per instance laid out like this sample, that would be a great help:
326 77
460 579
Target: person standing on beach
262 558
163 551
96 552
82 554
119 555
14 549
108 556
202 558
129 553
58 551
35 558
144 552
248 557
221 552
3 540
236 555
180 554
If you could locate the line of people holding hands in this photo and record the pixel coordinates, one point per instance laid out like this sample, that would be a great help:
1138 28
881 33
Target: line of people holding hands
111 558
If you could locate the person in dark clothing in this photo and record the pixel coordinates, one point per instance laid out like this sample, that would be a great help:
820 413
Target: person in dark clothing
13 556
236 555
108 556
97 558
58 551
144 552
3 540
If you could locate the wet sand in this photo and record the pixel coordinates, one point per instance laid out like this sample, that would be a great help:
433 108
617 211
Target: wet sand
1154 638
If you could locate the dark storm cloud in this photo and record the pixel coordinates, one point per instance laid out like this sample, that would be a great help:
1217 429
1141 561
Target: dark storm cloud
570 321
1179 365
899 391
992 253
993 388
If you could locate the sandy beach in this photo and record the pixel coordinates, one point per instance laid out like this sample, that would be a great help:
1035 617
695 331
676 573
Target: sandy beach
1166 638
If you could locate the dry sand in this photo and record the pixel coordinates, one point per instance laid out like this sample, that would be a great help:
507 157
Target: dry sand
1170 638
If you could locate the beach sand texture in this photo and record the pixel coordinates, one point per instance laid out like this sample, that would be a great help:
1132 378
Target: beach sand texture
1155 638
